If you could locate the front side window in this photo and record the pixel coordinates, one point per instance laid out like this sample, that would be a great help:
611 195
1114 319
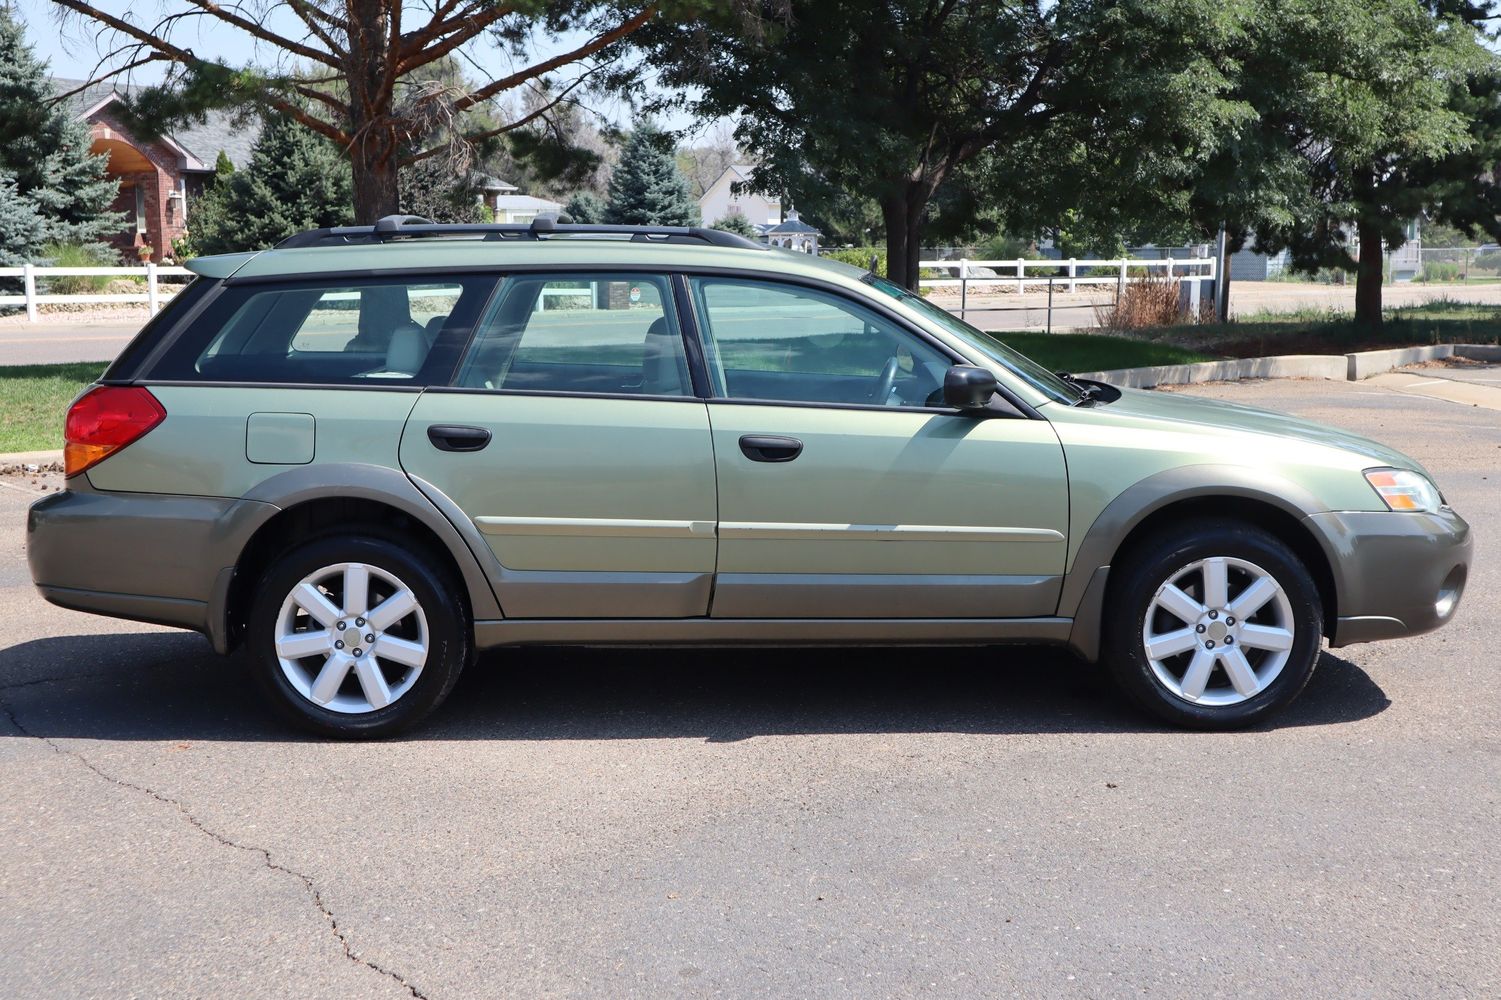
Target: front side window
580 332
377 331
772 341
988 344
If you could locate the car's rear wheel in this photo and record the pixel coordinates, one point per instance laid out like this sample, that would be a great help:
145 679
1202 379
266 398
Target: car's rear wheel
356 636
1215 625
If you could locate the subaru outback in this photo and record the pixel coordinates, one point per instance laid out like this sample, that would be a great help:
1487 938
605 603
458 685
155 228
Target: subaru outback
371 452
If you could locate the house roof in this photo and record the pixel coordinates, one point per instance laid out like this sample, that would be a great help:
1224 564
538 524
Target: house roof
525 202
200 141
738 173
485 182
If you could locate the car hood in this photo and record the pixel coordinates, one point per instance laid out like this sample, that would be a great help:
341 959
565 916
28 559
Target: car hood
1233 418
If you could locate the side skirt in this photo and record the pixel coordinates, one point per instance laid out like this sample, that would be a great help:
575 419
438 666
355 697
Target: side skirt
770 631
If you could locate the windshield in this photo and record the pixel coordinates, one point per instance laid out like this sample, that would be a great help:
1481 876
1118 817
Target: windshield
987 344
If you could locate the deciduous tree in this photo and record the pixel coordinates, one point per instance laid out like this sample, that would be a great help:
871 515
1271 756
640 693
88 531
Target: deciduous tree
896 98
350 70
1367 115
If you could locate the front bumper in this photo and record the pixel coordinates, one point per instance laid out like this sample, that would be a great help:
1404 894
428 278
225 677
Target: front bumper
141 556
1395 574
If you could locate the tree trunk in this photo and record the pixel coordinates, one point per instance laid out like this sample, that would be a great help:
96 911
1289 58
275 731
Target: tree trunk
374 155
1368 277
894 212
375 192
903 214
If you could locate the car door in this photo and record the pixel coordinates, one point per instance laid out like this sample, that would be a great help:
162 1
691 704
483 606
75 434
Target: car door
847 489
572 439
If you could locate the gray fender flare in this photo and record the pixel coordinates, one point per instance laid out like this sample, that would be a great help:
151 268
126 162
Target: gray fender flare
1083 594
294 487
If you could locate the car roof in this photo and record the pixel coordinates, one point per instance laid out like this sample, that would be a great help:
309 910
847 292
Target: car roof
461 254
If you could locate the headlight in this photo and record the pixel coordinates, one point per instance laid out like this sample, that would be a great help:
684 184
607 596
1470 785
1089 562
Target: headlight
1404 490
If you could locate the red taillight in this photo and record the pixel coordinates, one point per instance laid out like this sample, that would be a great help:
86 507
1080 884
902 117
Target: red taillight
104 420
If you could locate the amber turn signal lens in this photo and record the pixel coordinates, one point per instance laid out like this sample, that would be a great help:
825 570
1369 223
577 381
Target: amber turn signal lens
104 420
1402 490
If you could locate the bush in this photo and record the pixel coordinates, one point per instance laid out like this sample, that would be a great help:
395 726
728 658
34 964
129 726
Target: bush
1440 270
1488 261
1005 247
859 257
78 255
1143 304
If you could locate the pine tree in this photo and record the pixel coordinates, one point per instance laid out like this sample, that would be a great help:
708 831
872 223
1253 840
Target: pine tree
647 189
296 180
585 208
433 189
22 229
46 150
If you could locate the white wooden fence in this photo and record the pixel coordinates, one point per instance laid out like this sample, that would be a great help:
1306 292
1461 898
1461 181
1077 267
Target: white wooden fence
29 273
1070 273
1064 272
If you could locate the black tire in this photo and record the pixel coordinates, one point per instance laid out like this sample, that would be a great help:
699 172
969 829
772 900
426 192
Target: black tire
1148 566
441 604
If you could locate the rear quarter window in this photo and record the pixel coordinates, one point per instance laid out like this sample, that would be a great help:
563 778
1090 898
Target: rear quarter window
128 362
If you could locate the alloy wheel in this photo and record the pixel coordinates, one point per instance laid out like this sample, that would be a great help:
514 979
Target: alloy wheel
351 638
1218 631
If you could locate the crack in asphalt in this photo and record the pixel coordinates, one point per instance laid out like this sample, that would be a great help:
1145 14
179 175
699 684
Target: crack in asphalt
16 685
307 882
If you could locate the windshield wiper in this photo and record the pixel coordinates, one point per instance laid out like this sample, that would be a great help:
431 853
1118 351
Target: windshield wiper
1088 392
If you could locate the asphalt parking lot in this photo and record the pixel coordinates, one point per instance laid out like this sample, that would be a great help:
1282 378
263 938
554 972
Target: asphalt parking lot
934 823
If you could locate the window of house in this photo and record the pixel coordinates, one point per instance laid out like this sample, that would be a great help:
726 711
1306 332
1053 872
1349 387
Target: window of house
140 190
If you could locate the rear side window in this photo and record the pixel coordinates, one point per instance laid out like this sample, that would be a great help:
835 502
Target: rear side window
614 334
370 331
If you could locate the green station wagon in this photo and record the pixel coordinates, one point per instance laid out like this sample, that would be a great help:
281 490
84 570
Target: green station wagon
372 451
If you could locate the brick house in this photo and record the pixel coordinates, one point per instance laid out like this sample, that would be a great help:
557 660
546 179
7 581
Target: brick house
160 178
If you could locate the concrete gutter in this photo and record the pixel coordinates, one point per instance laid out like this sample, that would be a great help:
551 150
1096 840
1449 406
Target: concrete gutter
1344 367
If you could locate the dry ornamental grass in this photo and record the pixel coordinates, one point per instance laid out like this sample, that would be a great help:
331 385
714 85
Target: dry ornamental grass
1144 303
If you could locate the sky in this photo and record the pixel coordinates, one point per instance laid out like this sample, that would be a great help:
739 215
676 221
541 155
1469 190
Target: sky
71 50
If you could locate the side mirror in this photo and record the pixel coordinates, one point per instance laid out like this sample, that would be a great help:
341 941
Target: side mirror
968 388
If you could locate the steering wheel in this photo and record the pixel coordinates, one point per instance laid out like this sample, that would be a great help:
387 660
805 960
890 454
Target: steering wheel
887 381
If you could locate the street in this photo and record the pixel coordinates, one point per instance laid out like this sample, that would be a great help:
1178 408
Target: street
836 823
56 339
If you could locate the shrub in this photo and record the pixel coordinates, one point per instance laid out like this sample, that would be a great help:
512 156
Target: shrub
78 255
859 257
737 223
1143 303
1488 261
1440 270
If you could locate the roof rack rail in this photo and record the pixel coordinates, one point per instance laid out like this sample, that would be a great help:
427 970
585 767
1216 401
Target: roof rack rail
406 227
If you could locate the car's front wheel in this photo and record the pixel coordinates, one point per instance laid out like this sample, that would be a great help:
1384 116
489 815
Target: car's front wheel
356 636
1214 625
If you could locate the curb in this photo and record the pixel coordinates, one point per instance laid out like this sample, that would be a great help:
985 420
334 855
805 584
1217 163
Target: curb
1343 367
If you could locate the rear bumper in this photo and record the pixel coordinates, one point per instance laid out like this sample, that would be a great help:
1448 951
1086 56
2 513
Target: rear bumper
1396 574
141 556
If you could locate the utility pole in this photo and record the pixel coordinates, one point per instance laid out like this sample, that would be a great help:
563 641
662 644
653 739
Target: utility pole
1221 277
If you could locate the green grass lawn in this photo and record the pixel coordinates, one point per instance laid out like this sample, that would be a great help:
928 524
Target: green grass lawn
33 399
1087 352
1311 331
